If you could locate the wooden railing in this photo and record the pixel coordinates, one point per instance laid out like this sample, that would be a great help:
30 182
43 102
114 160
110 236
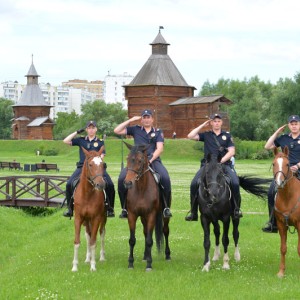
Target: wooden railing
35 190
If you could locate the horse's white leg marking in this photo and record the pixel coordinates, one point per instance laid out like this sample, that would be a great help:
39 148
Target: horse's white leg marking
206 267
88 249
226 262
75 259
102 250
237 255
217 253
93 257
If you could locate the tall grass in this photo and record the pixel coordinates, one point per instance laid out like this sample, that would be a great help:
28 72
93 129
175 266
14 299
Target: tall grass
36 252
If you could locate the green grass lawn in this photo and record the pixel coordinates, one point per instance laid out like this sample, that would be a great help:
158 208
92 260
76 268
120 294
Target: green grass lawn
36 252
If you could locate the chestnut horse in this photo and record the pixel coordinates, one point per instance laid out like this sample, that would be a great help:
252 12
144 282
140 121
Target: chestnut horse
89 207
216 204
287 202
143 200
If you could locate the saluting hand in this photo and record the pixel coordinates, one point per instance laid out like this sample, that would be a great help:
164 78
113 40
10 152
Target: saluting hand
135 118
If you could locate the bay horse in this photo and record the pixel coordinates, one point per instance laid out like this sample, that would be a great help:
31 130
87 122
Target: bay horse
143 200
287 202
89 207
216 204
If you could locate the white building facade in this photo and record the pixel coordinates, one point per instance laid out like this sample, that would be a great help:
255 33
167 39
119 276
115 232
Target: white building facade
113 90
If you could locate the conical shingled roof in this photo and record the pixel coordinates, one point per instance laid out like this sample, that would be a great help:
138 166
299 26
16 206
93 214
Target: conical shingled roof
159 69
32 95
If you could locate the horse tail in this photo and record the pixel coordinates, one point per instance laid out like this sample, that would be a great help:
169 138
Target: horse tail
256 186
159 231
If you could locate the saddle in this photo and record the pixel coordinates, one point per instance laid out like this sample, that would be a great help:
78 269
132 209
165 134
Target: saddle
156 177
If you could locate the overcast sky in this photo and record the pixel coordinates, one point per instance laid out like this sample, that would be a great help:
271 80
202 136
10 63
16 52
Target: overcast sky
209 39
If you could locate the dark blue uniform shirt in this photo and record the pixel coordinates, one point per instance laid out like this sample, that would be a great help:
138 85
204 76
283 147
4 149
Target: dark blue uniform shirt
293 144
210 144
94 145
140 137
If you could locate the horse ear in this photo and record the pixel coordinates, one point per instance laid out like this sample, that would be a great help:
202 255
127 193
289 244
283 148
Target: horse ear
275 151
101 150
128 145
286 150
85 151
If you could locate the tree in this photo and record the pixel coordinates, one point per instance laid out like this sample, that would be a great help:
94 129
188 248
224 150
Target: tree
65 124
6 116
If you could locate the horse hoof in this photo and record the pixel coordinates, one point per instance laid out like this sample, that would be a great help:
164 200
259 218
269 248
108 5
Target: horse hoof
74 269
148 269
168 258
226 267
93 269
280 275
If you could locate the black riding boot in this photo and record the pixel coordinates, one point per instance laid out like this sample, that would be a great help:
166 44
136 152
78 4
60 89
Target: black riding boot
271 225
124 213
69 212
167 212
110 201
193 214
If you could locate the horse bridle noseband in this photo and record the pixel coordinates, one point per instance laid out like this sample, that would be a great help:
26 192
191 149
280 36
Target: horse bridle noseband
89 177
139 173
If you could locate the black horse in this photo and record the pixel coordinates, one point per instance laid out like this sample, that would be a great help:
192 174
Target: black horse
216 204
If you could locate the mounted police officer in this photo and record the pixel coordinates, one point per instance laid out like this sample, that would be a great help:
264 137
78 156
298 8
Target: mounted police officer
146 134
292 140
216 141
90 143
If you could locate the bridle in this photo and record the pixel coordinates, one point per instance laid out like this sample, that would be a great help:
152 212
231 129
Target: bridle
286 176
140 172
90 178
207 188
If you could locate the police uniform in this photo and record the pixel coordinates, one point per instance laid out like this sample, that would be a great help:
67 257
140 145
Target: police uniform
93 145
211 146
294 158
151 138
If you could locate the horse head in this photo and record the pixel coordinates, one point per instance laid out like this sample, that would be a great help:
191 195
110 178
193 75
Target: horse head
212 177
281 167
95 168
137 164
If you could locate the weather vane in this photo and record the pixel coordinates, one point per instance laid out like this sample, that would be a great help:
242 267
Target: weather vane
161 27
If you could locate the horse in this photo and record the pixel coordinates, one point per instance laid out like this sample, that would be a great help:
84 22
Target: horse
143 200
287 202
89 207
216 204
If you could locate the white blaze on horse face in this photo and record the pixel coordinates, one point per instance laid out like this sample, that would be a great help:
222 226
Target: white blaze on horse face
97 160
279 172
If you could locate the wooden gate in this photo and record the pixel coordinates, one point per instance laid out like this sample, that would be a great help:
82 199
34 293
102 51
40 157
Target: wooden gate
35 190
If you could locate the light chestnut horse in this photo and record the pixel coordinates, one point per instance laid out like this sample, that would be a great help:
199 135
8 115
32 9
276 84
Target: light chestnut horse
89 207
287 202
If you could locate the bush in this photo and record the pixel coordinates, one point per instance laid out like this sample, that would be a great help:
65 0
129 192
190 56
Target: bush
51 152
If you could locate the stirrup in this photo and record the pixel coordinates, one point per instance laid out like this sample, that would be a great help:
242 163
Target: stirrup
124 214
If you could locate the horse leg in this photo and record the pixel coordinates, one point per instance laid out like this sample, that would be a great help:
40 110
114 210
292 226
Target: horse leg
283 247
217 252
76 243
102 244
88 238
143 220
236 235
225 242
149 240
132 239
94 230
166 232
206 243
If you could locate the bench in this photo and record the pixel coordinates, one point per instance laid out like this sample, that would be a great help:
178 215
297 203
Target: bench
15 165
4 164
46 167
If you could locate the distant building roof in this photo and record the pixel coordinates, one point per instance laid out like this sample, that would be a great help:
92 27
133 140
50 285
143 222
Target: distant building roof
159 69
23 118
202 99
32 96
38 121
32 71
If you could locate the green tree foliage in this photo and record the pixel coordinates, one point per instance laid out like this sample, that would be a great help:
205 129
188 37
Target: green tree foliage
65 124
6 115
107 117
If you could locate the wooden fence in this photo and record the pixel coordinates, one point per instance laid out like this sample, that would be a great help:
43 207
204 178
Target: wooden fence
35 190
